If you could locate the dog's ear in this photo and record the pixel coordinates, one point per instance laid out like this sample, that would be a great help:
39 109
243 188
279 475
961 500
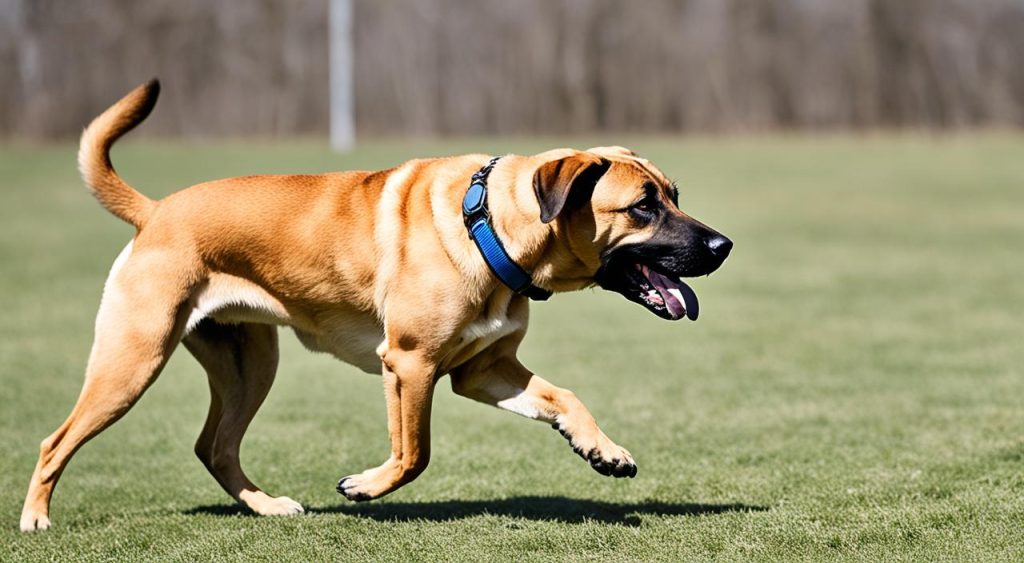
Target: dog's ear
560 184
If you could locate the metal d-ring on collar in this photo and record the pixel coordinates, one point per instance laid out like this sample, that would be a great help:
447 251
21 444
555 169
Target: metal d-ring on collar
478 223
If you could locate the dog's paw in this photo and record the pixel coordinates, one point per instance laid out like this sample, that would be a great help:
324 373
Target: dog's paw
377 482
605 456
368 485
352 488
276 506
34 522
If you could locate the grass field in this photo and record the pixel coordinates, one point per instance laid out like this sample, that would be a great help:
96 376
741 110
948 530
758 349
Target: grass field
852 390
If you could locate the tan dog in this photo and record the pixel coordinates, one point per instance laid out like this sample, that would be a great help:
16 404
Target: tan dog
377 269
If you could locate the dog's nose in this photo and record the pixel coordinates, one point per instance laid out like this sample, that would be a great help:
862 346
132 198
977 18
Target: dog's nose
719 246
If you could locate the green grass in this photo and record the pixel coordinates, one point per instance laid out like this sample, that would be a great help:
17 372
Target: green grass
852 390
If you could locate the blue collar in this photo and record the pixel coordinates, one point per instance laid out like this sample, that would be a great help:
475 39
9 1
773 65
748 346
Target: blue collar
478 223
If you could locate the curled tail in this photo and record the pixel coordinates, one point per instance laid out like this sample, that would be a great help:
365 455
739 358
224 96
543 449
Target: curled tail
94 155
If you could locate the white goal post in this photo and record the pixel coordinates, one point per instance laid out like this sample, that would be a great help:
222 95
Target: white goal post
343 127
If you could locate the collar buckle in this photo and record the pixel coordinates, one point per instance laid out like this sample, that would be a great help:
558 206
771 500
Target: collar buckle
474 204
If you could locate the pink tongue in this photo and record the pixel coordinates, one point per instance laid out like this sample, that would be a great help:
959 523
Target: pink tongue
676 308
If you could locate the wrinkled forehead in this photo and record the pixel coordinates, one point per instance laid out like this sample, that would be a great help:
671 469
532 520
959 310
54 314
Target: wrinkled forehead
630 168
631 164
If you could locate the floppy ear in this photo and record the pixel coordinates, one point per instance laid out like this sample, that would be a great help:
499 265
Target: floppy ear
566 181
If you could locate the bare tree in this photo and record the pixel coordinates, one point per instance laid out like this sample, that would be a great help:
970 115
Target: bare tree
454 67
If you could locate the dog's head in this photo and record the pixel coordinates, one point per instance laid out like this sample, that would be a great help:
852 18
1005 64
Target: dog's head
620 218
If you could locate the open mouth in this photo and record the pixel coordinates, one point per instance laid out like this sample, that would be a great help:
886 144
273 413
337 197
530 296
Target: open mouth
663 294
667 297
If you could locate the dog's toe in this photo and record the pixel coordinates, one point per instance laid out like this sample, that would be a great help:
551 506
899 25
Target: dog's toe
601 467
275 506
621 465
34 522
283 506
624 470
348 487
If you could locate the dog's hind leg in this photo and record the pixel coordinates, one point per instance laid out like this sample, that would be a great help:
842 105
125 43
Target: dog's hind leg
241 361
140 321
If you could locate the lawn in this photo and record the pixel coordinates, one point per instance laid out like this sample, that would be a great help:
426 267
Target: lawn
852 391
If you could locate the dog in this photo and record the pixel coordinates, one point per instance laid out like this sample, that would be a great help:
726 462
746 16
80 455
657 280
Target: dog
413 273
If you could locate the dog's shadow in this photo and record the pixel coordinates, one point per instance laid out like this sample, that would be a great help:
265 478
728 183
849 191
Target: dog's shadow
546 508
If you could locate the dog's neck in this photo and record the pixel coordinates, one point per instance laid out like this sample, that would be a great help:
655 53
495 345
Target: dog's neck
480 227
533 245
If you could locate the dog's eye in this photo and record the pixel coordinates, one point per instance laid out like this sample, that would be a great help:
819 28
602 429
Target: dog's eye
644 210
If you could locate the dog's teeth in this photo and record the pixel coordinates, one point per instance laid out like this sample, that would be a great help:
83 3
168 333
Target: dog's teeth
652 296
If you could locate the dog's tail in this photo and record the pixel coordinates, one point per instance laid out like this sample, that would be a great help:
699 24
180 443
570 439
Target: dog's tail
94 155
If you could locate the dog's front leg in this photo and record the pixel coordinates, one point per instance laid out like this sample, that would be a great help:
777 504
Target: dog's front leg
496 377
409 380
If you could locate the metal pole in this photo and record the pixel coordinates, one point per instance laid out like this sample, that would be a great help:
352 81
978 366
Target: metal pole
343 128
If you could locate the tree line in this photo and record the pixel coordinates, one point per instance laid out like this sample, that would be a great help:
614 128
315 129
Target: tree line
458 67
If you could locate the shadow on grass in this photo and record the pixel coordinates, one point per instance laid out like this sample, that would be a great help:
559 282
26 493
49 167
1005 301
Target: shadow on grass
551 509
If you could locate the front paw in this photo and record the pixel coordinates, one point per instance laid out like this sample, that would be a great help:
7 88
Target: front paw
605 456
